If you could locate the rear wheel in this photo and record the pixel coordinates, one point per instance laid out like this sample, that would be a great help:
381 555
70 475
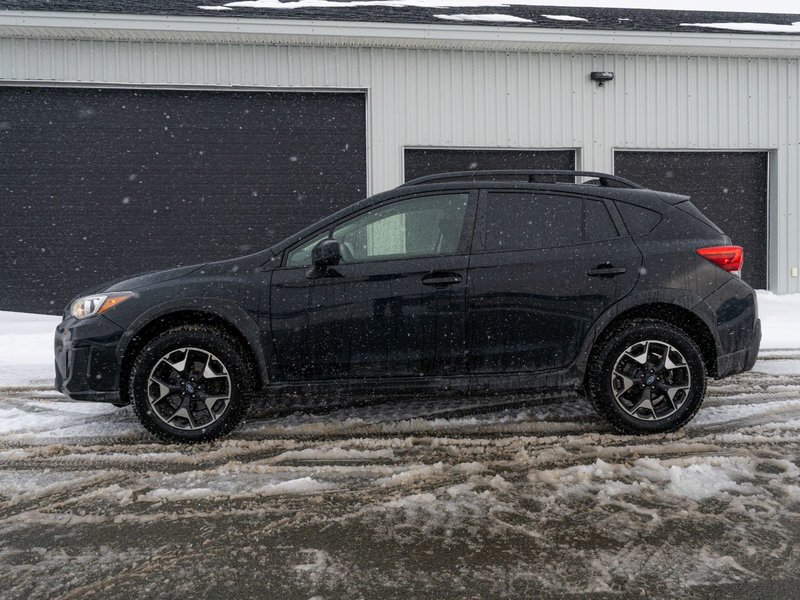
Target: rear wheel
647 377
191 384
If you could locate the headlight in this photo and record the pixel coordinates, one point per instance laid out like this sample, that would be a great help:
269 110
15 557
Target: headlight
95 305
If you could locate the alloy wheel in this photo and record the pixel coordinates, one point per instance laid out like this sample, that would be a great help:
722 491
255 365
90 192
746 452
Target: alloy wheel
189 388
651 380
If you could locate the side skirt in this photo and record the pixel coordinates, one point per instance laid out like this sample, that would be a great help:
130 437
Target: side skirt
322 394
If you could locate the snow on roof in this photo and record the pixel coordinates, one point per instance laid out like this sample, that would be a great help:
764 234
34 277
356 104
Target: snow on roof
495 18
564 18
768 6
778 17
754 27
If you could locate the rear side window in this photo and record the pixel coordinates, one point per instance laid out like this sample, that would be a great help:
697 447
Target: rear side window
519 221
638 220
524 221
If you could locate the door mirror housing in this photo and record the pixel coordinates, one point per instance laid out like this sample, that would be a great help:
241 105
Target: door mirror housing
327 253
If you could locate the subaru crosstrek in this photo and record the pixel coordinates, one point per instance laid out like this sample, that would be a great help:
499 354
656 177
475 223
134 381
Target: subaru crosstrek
476 283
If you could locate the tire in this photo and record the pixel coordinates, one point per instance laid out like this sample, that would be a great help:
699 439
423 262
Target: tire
621 387
191 384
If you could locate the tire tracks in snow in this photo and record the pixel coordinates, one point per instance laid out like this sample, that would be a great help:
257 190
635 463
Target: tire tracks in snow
542 480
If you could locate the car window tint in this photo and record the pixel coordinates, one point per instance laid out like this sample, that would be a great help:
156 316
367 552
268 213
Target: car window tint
522 221
301 256
598 223
637 219
422 226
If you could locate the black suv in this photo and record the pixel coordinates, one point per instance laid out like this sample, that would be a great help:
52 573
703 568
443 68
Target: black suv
473 283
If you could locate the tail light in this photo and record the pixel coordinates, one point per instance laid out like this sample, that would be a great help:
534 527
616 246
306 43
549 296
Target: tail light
730 258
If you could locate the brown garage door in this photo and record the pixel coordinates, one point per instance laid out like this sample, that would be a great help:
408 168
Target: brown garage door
729 187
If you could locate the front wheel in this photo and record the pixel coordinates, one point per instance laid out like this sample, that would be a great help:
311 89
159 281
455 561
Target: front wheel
647 377
191 384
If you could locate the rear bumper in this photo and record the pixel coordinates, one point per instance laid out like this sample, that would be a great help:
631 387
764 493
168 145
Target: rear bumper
741 360
85 359
734 322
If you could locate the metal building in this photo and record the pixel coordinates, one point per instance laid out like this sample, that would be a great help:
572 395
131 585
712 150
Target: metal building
160 135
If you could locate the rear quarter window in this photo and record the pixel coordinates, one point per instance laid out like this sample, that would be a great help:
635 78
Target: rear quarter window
692 210
637 219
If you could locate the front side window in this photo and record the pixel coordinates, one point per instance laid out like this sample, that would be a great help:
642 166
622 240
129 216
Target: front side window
422 226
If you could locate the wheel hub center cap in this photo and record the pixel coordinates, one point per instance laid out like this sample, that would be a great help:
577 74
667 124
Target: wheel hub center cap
189 388
650 380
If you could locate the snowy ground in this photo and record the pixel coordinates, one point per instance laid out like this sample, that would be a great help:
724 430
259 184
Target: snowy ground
405 500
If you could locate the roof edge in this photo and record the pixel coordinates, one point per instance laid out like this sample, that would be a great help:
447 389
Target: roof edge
212 29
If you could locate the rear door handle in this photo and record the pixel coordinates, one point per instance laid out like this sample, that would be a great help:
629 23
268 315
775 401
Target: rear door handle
606 270
441 279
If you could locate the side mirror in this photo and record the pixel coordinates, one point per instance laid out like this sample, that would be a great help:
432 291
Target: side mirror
326 254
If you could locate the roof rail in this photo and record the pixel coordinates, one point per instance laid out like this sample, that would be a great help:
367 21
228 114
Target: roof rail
534 176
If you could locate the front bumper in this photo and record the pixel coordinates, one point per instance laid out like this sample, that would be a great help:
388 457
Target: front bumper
87 367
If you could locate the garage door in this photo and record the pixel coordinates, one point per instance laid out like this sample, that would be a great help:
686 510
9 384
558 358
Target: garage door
428 161
99 184
729 187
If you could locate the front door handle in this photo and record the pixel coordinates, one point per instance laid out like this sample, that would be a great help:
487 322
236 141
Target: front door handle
441 279
605 270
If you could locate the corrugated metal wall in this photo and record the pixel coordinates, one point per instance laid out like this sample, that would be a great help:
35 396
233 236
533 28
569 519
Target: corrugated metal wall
490 99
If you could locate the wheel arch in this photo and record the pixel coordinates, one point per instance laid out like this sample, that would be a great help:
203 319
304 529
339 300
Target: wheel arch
679 316
240 326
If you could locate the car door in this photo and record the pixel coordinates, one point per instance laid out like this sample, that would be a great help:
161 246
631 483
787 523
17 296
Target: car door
394 306
544 267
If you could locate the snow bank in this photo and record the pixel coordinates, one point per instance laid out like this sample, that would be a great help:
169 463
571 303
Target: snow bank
780 320
26 348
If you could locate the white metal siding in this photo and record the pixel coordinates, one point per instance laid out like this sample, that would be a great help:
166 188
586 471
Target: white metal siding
489 99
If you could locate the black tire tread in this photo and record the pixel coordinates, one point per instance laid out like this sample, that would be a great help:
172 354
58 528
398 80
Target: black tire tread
595 374
237 414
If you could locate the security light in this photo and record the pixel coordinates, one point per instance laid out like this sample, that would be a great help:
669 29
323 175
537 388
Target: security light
602 76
